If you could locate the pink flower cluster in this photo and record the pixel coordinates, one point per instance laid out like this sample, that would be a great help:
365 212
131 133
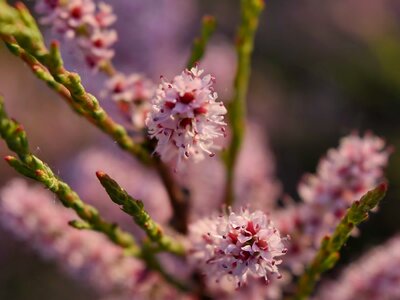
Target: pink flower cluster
376 276
186 117
343 176
237 245
85 22
133 95
31 214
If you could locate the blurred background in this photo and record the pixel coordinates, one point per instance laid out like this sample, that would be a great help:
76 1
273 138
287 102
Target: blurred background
321 69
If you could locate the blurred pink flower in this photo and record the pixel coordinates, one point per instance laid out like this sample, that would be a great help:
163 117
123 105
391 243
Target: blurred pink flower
343 176
154 49
31 214
133 95
375 276
84 21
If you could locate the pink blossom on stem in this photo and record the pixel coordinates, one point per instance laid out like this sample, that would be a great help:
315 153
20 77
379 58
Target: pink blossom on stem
96 48
84 21
343 176
376 276
133 95
186 117
33 216
105 16
236 246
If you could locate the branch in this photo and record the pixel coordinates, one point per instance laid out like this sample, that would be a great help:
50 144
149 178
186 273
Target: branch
24 40
328 254
199 44
251 10
31 166
22 36
135 208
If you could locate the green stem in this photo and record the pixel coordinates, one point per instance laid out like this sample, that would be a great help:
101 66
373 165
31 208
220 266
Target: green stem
328 254
251 10
31 166
135 208
154 264
200 43
22 36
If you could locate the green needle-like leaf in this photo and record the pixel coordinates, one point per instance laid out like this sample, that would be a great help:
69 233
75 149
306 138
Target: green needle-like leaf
22 37
135 208
200 43
31 166
328 254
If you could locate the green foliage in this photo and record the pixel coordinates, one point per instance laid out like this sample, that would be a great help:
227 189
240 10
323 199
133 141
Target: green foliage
200 43
21 35
328 254
135 208
31 166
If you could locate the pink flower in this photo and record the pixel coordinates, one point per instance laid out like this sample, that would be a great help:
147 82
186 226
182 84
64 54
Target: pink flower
376 276
84 21
133 95
343 176
237 245
96 48
186 118
33 216
104 16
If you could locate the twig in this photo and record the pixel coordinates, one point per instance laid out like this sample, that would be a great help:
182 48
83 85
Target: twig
199 44
31 166
135 208
22 36
328 254
251 10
